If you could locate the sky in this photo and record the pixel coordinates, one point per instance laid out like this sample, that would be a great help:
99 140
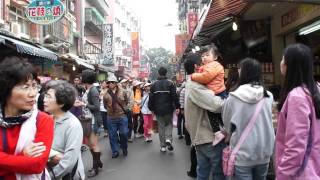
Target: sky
155 15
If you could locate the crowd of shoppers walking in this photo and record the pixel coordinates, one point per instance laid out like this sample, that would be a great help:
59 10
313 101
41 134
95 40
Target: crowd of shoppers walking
228 124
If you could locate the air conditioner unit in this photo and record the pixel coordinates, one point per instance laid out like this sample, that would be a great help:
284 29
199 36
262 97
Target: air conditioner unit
16 29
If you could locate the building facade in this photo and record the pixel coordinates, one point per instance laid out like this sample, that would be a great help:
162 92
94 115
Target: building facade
127 38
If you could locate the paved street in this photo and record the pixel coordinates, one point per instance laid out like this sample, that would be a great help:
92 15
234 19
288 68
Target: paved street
144 162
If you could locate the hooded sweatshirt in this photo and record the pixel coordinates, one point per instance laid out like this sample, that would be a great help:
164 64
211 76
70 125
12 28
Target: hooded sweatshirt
238 110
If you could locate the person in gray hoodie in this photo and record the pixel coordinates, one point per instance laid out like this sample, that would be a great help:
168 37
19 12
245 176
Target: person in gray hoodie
253 157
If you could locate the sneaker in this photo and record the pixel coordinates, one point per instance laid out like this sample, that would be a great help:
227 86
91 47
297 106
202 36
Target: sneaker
163 149
105 135
218 137
169 145
180 137
138 135
148 140
115 155
130 140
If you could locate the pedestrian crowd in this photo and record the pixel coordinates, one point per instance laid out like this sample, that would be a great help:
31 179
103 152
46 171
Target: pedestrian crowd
229 124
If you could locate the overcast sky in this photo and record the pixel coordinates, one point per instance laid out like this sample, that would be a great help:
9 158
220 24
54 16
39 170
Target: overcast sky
155 15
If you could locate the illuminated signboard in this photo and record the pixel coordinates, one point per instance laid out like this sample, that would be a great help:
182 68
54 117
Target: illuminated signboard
45 12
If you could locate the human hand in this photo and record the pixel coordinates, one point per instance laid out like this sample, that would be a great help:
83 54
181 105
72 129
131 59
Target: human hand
79 103
54 160
34 149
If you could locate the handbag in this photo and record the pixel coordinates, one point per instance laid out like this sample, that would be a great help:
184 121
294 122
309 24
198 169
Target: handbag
229 154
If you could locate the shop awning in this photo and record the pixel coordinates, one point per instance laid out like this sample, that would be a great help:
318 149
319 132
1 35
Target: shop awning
28 48
105 68
218 18
206 34
78 60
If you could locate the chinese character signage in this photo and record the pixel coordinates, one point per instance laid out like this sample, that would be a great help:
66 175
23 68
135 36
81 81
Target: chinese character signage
182 41
107 45
192 22
45 12
136 49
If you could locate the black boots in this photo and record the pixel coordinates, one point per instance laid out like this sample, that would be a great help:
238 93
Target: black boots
96 164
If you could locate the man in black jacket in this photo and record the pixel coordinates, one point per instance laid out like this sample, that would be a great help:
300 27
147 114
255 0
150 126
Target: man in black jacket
163 101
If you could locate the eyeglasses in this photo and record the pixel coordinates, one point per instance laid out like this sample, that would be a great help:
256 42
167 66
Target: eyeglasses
48 96
27 88
112 82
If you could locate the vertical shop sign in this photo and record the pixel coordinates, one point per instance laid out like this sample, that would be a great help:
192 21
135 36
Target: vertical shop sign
45 12
135 49
107 45
192 22
182 41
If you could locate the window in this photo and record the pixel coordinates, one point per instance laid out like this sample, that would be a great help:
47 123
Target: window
17 15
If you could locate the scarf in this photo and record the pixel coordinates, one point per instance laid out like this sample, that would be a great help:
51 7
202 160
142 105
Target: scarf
27 135
13 121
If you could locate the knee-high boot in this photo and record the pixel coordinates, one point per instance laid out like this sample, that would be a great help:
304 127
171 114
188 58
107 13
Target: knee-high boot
96 163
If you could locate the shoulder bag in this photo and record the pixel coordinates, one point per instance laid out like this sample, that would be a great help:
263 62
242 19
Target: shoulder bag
229 154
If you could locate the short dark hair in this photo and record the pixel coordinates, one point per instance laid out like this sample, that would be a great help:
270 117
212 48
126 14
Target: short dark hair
13 70
214 49
65 93
232 80
162 71
191 60
88 76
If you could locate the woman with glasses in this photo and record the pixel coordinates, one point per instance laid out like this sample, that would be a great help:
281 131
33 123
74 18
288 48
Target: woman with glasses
65 158
26 133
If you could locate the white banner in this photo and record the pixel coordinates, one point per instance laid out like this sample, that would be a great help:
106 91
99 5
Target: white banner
107 45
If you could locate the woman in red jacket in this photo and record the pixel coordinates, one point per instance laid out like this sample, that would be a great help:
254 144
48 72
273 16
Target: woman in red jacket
25 133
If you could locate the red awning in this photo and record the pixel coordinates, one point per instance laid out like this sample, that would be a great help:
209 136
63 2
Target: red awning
220 9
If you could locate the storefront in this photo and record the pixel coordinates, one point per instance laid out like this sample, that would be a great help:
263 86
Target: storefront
298 24
261 30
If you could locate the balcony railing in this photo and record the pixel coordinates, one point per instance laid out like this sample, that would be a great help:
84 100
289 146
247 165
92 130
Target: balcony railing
60 30
92 48
94 18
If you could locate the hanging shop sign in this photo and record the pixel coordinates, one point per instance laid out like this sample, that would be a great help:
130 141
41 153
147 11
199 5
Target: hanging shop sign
192 22
107 45
182 41
136 49
45 12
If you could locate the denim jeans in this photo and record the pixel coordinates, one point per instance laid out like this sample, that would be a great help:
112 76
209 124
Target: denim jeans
209 159
114 126
251 172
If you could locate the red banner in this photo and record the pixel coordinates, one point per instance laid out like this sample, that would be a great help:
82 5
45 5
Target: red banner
192 22
135 49
182 41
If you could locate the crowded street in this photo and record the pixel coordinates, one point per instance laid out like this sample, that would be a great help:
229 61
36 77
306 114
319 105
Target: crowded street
159 89
145 161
